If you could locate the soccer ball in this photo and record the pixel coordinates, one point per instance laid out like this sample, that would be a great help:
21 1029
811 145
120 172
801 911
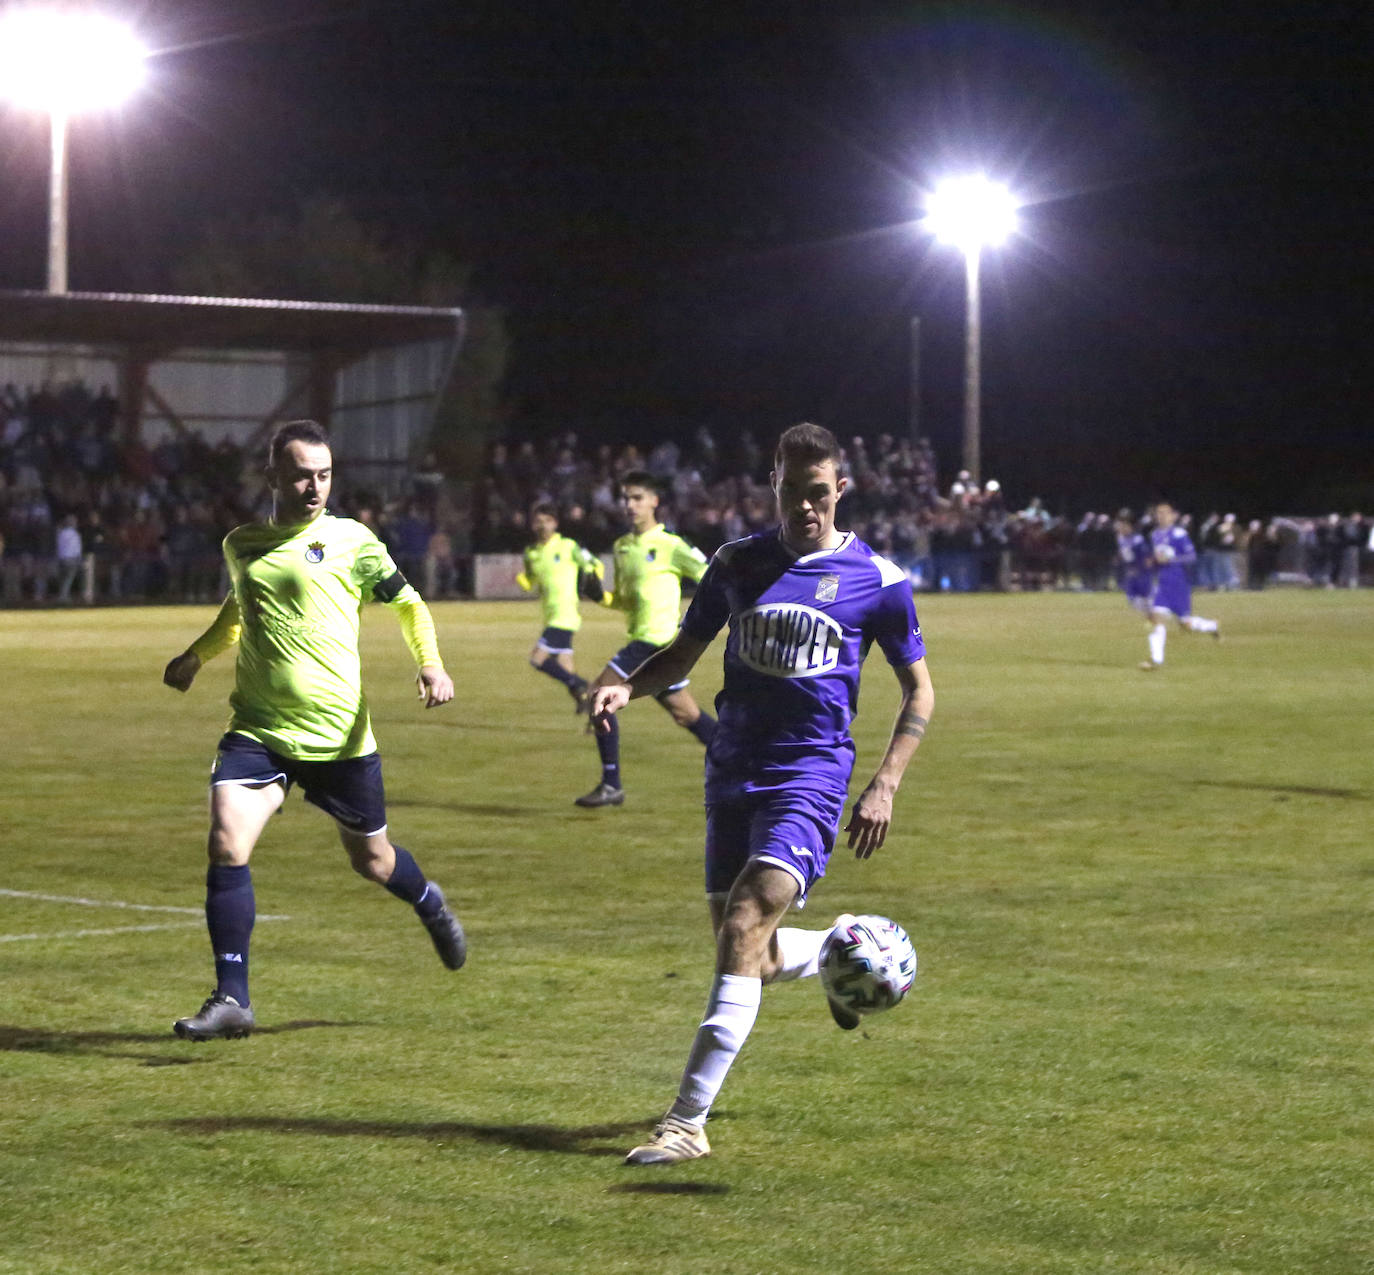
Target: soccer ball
1163 553
867 964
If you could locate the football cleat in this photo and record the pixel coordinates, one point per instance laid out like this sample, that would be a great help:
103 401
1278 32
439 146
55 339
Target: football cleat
220 1018
581 695
447 933
602 795
673 1140
845 1018
1149 666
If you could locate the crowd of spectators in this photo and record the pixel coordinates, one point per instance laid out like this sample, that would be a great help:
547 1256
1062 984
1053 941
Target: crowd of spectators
88 514
959 538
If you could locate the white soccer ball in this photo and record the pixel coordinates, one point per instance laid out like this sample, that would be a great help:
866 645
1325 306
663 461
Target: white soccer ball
1163 553
867 964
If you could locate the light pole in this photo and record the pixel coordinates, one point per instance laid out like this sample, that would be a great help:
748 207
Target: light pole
972 213
63 60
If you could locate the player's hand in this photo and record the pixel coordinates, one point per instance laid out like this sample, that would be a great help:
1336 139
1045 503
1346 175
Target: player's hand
870 820
435 686
181 672
605 702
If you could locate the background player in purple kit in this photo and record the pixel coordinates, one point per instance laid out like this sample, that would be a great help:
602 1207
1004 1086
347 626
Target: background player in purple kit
803 601
1133 563
1173 553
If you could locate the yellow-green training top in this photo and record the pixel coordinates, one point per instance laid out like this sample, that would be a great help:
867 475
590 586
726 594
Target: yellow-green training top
553 569
649 571
295 600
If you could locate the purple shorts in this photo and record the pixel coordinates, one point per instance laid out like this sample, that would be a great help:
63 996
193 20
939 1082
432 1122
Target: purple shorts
1173 594
784 828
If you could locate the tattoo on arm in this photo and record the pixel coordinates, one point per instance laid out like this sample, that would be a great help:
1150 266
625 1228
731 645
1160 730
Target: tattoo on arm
910 722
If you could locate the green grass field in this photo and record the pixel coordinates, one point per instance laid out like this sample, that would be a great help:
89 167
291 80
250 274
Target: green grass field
1140 1040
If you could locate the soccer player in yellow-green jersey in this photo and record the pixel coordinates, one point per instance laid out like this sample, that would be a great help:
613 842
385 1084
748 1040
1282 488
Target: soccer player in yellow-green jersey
650 566
556 568
297 712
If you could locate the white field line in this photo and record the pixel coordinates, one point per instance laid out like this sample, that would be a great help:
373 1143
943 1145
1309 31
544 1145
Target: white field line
199 913
87 934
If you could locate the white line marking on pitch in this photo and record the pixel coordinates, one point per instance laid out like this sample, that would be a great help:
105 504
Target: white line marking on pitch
86 934
116 903
199 913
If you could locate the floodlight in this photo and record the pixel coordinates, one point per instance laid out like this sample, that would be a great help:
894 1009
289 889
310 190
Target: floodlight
971 213
65 61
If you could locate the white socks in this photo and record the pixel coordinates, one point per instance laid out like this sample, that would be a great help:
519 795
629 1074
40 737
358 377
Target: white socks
731 1009
800 953
1197 624
1157 637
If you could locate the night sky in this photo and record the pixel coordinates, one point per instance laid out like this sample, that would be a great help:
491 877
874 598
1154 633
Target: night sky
705 213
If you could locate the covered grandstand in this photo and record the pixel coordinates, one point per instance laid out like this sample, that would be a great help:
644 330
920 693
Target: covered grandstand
235 367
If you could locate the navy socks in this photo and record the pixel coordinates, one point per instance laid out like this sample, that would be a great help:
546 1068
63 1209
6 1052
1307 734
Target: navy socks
555 670
408 883
230 910
608 745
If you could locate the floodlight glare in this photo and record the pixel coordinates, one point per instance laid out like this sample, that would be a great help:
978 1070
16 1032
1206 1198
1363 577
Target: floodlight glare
65 61
971 213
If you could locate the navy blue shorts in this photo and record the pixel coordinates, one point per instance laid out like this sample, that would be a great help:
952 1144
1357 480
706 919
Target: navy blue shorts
350 790
784 828
632 655
556 641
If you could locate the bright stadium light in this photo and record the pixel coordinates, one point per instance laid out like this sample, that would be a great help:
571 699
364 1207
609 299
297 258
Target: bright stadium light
64 61
972 213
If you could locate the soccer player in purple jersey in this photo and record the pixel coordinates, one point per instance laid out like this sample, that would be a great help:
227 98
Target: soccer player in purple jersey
803 602
1133 563
1172 551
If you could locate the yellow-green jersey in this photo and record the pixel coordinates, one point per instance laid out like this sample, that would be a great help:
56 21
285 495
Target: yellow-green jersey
649 571
554 569
294 607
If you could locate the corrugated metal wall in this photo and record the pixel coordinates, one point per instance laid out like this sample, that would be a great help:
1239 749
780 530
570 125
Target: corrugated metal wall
383 403
383 406
31 365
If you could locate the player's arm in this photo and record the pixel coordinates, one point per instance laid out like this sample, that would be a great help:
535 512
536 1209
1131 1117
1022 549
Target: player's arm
661 670
688 561
525 577
220 636
591 577
872 813
417 626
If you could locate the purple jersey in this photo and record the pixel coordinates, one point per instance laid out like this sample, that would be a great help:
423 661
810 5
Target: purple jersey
799 631
1173 588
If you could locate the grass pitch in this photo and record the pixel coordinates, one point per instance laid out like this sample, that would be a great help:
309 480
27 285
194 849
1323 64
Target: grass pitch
1139 1042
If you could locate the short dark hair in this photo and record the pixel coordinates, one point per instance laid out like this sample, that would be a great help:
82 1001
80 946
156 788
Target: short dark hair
807 444
640 478
303 431
544 507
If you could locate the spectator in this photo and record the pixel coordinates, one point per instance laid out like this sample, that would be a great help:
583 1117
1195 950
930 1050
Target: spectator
70 555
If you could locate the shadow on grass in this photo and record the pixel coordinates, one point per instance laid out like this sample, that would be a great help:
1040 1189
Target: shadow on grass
669 1188
590 1139
490 809
41 1040
1287 790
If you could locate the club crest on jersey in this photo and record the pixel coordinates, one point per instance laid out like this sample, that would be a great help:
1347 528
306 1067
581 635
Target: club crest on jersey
651 555
826 588
789 639
314 552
